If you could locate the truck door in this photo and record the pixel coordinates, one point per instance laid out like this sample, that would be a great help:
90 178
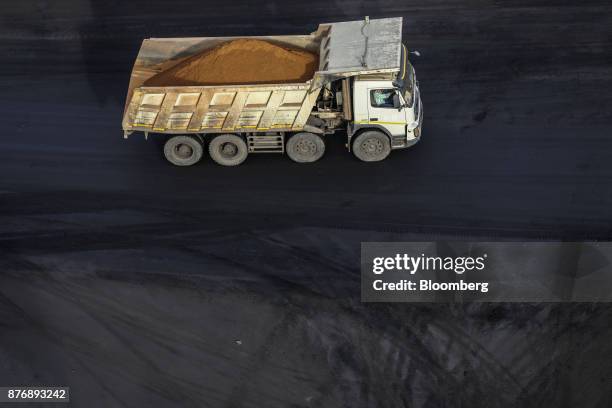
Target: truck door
383 111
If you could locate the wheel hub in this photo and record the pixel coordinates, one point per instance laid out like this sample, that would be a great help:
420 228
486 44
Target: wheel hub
372 146
306 147
184 151
229 149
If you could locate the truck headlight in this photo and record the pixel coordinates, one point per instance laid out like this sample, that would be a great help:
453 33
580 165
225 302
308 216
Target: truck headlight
412 126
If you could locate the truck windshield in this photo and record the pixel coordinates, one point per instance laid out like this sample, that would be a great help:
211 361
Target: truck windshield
408 90
406 78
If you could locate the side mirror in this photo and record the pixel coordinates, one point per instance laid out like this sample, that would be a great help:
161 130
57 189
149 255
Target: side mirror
396 101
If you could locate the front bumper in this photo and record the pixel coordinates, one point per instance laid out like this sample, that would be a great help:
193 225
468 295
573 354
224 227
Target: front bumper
413 136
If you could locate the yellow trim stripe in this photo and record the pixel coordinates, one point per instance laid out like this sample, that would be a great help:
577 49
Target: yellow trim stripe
367 122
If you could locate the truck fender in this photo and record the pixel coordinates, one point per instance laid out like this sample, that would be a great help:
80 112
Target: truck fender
313 129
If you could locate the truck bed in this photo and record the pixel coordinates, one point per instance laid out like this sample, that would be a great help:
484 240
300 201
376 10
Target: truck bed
345 49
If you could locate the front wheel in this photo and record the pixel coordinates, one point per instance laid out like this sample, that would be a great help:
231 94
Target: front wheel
371 146
183 150
228 150
305 147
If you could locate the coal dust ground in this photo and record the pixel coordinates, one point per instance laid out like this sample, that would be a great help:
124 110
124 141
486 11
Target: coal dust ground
139 284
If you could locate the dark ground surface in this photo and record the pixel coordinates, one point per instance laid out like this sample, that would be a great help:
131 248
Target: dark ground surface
141 284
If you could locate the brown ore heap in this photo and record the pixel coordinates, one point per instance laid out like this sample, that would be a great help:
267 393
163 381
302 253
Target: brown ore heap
242 61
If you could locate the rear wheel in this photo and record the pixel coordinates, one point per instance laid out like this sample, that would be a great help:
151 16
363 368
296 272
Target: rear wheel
183 150
371 146
228 150
305 147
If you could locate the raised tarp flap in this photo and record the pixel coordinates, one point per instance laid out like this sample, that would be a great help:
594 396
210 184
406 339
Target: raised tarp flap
365 45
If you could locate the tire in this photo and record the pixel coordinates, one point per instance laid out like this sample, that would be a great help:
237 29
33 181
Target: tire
371 146
228 150
305 147
183 150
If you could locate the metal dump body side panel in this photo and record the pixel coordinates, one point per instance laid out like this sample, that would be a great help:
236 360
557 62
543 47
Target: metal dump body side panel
214 109
158 54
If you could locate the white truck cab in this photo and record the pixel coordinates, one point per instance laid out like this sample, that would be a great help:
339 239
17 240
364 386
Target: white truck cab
384 94
381 105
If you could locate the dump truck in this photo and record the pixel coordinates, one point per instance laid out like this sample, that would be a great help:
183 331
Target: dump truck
364 86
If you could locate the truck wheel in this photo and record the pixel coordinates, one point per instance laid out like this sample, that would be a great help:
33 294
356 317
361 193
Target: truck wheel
305 147
371 146
228 150
183 150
